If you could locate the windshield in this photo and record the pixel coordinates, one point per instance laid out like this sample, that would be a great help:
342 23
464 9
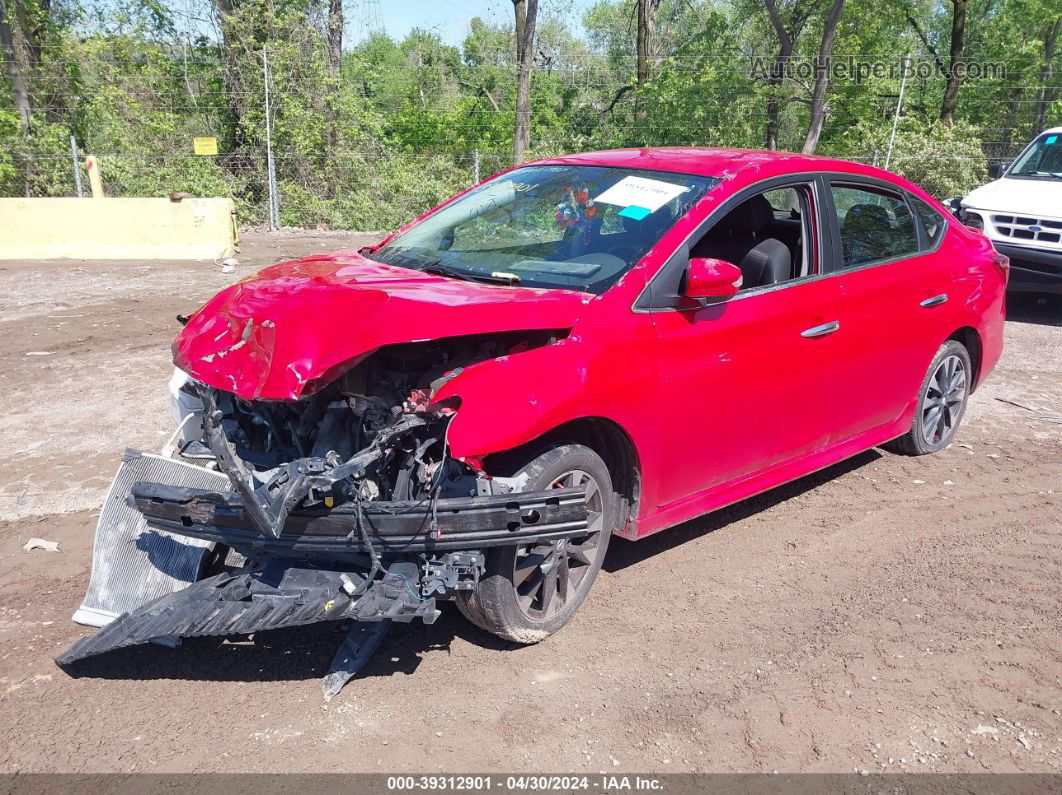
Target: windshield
1043 159
576 227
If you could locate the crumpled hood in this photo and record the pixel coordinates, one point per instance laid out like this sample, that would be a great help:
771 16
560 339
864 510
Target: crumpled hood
1037 198
293 328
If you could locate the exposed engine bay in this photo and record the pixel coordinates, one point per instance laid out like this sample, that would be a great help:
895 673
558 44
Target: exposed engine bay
382 404
373 434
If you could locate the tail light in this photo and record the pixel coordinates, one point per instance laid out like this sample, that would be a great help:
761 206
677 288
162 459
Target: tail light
1003 263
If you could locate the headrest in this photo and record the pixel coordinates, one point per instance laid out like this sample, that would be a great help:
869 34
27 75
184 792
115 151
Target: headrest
751 215
862 216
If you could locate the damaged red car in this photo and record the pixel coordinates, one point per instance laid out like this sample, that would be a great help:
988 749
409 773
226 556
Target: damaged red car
589 346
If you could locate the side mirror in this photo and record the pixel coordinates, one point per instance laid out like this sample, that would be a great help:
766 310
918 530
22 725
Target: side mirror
995 170
955 205
712 280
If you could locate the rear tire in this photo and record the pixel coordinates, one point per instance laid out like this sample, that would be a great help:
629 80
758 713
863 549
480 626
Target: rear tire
941 403
529 591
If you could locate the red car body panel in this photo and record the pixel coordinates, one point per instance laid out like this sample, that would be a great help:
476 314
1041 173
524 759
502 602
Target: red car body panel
294 327
719 403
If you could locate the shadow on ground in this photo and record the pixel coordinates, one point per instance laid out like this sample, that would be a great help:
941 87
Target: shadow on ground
282 655
1042 310
301 653
622 555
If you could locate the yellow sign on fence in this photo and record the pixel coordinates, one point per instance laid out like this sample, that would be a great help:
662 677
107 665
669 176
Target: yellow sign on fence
205 146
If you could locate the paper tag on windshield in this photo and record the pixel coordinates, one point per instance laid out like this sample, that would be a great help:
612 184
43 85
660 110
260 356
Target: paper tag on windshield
652 194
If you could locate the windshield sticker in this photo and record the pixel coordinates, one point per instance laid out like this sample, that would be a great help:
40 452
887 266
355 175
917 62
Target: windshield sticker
634 211
1051 140
650 194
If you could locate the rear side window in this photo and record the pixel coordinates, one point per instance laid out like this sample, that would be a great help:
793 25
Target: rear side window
932 223
875 225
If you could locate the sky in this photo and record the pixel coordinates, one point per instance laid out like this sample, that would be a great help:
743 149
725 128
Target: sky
449 18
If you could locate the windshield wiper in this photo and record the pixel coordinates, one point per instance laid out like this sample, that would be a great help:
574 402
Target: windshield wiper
441 269
425 263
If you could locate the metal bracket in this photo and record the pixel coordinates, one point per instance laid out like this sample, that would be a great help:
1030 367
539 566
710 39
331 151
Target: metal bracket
357 648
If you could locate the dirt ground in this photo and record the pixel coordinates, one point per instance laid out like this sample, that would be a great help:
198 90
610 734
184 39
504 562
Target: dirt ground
888 614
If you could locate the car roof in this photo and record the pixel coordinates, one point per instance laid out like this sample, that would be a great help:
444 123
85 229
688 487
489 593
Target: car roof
712 162
1052 130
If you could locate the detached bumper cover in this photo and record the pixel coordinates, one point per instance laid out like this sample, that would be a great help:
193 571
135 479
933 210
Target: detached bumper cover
253 600
393 527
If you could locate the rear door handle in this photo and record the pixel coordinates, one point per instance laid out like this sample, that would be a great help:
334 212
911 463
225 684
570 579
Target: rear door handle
821 331
936 300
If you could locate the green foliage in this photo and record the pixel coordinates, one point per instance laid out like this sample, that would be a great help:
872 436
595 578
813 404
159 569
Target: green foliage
944 160
401 125
8 170
379 195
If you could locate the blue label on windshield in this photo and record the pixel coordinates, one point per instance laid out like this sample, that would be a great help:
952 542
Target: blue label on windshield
1052 139
633 211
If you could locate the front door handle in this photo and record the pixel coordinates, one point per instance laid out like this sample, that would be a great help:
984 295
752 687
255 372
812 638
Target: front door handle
936 300
821 331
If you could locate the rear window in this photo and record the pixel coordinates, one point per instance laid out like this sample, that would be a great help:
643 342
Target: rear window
932 221
875 225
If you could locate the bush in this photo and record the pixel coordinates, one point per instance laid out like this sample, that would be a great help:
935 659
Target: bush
944 160
377 194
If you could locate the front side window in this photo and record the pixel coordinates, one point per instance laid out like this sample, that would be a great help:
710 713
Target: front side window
1042 160
767 236
576 227
875 225
932 222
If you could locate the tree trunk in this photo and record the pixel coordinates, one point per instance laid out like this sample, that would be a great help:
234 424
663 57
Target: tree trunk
1046 94
34 30
822 79
958 35
526 12
335 36
236 94
646 30
785 52
1013 111
13 70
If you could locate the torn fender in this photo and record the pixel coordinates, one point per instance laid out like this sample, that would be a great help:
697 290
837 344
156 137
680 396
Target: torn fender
292 328
543 389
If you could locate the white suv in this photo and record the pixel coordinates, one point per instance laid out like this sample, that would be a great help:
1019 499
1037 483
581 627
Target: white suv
1021 213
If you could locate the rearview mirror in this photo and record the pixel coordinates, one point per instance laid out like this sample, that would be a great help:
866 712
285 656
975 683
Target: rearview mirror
712 280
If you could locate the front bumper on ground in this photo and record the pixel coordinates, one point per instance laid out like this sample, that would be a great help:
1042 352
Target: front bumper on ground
1032 270
372 563
331 536
257 598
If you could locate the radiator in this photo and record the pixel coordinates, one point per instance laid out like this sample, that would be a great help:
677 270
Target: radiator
131 562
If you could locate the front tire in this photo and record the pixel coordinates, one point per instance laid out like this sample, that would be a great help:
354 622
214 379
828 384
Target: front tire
529 591
941 402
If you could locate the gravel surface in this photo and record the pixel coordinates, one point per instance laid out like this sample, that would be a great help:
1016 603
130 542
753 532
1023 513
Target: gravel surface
887 614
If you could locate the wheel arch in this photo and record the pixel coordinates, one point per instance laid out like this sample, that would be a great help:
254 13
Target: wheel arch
605 437
969 338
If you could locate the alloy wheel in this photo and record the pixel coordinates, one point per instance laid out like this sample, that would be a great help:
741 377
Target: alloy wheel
943 401
547 575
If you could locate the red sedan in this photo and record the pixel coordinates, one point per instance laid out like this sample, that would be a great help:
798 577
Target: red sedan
603 344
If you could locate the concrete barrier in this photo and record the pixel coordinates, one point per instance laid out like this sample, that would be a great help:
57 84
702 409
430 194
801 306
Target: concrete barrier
117 229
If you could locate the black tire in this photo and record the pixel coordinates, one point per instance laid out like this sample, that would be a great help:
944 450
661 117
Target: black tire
517 604
939 411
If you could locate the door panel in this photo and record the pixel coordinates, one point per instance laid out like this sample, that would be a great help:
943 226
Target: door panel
743 387
894 312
